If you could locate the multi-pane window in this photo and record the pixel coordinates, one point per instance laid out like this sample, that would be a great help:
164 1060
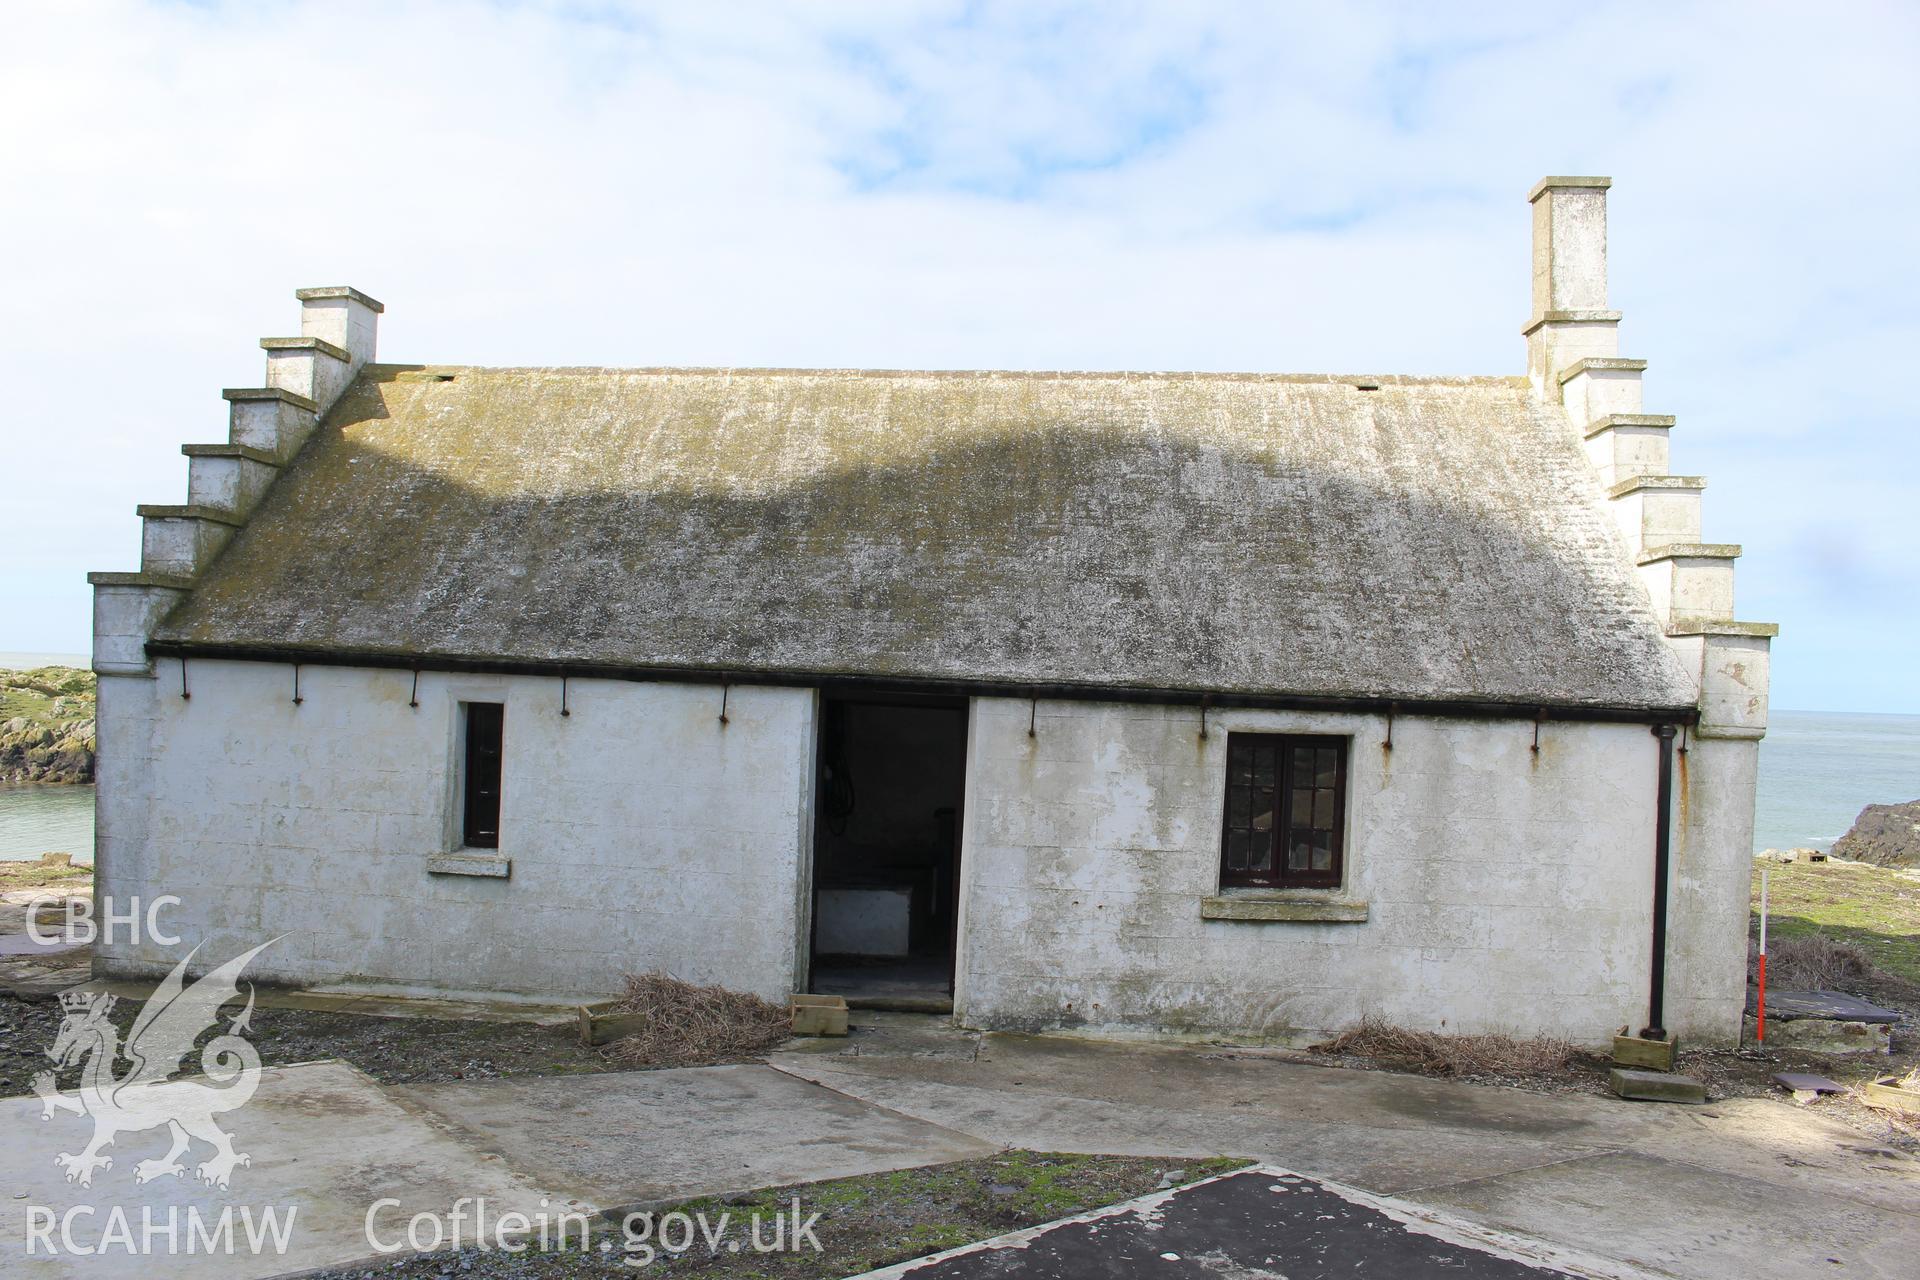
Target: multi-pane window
1286 810
480 809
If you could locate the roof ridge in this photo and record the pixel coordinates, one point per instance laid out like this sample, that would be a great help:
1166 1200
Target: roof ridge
390 369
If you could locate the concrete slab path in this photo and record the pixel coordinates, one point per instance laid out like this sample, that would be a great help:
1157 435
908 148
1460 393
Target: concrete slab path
1737 1189
1740 1190
325 1142
640 1137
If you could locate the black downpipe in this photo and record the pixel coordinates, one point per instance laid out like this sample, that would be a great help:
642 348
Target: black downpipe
1662 856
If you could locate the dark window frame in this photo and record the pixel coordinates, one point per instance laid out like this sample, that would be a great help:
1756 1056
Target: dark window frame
1282 821
483 727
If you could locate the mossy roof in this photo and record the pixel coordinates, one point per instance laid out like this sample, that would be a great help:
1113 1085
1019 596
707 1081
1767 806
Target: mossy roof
1433 538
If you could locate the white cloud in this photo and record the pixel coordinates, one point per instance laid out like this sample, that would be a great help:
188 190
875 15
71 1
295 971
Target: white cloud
957 185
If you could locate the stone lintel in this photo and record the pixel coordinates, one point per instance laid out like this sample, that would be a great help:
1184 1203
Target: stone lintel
1309 910
164 581
1545 185
1570 317
346 291
466 864
190 511
1607 422
1689 551
320 345
1708 627
1636 484
272 393
1601 364
246 451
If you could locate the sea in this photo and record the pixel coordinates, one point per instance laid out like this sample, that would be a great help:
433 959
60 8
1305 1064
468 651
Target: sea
1818 769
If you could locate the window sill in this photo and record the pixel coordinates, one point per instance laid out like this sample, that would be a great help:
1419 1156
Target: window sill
470 864
1282 907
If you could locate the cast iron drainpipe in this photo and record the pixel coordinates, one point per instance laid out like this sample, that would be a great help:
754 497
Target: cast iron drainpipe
1662 857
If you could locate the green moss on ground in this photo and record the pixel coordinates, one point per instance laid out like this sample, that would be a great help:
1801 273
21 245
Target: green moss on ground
1875 908
46 725
38 875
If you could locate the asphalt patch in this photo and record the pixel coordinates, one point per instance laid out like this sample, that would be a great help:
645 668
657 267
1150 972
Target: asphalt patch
1254 1223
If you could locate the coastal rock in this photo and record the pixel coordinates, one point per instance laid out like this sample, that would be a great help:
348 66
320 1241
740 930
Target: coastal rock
46 725
1887 835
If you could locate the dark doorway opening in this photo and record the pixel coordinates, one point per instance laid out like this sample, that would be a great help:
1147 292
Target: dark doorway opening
886 877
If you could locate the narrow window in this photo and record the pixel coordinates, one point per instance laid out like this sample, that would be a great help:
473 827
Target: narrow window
480 806
1286 811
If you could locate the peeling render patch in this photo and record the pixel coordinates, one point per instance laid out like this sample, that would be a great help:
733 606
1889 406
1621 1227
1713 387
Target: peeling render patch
1438 538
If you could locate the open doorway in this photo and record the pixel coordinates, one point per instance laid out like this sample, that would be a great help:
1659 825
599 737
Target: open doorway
886 879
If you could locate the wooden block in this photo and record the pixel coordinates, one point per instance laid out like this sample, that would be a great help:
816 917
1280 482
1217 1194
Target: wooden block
1655 1086
1651 1055
600 1025
799 998
1889 1095
819 1015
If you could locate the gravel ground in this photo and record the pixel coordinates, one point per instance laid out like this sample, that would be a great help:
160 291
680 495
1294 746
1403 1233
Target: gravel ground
863 1222
391 1050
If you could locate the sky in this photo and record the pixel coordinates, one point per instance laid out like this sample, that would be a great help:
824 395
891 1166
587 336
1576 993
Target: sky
1320 188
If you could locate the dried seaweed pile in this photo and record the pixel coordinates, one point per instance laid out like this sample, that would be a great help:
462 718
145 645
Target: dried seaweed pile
689 1026
1434 1053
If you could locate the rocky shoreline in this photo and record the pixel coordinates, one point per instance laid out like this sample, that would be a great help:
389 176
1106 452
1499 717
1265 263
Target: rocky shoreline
47 725
1886 835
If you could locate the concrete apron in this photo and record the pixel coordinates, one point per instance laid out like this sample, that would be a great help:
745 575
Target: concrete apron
1743 1188
326 1143
1735 1189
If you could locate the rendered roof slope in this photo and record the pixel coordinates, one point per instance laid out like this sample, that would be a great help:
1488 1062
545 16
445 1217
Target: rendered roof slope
1436 538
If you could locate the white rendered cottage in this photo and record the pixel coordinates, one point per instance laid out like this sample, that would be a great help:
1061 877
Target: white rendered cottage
1223 703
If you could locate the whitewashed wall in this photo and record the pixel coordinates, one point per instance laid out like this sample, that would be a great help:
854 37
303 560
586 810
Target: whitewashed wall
1505 891
1711 889
642 833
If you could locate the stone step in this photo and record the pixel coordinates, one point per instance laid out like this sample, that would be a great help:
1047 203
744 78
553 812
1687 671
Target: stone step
126 606
1730 662
1655 1086
228 477
181 540
1655 510
310 367
1624 445
1690 580
271 419
1593 388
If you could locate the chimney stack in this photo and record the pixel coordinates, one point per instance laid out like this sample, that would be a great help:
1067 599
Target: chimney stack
1570 320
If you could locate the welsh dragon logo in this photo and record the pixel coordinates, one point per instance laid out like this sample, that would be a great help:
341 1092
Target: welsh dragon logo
143 1097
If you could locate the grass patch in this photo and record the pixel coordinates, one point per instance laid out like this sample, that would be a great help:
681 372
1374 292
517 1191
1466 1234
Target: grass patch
865 1222
1873 909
